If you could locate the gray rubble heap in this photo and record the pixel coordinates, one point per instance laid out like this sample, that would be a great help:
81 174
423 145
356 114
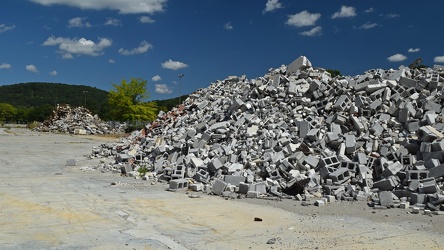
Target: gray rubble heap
77 120
297 132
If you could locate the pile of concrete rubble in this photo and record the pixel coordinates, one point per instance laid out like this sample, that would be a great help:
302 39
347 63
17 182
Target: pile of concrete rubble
77 121
297 132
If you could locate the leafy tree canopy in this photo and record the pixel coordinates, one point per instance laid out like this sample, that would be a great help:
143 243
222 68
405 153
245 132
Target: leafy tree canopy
127 101
7 112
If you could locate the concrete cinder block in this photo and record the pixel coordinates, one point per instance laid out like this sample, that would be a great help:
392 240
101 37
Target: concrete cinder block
234 180
244 187
436 171
416 198
386 198
350 143
386 184
178 184
71 162
218 187
429 186
253 194
340 175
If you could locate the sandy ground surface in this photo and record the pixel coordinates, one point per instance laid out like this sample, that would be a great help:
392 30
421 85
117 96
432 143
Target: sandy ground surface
45 204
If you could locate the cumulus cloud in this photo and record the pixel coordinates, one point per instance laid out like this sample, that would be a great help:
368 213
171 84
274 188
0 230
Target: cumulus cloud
397 58
316 31
123 7
78 22
174 65
81 46
368 25
5 66
111 61
303 18
113 22
346 11
32 68
272 5
228 26
4 27
146 19
143 47
162 89
156 78
438 59
53 73
414 50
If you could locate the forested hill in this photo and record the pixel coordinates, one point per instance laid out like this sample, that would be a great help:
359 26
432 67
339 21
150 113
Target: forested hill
34 94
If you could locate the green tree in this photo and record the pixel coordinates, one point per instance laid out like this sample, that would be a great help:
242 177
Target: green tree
40 113
127 101
334 72
7 112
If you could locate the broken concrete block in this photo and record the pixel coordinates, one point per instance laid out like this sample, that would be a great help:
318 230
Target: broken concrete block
71 162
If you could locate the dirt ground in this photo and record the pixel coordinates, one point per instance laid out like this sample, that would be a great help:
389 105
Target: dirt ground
48 205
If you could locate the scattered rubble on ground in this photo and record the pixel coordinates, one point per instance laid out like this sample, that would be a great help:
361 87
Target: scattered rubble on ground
299 133
77 121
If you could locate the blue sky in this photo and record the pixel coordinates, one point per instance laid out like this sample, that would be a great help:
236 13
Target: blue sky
100 42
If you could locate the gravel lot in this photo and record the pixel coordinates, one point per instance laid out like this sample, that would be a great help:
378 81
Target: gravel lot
48 205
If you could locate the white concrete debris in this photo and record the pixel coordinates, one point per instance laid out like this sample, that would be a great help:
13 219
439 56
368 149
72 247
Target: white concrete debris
297 132
77 120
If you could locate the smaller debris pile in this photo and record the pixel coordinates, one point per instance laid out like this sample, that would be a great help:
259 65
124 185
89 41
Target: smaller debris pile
77 121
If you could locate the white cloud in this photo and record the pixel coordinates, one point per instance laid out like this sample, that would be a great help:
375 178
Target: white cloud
32 68
368 25
303 18
5 66
397 58
78 22
67 56
4 27
316 31
369 10
228 26
156 78
439 59
111 61
143 47
124 7
346 11
272 5
81 46
414 50
163 89
53 73
174 65
392 15
113 22
146 19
